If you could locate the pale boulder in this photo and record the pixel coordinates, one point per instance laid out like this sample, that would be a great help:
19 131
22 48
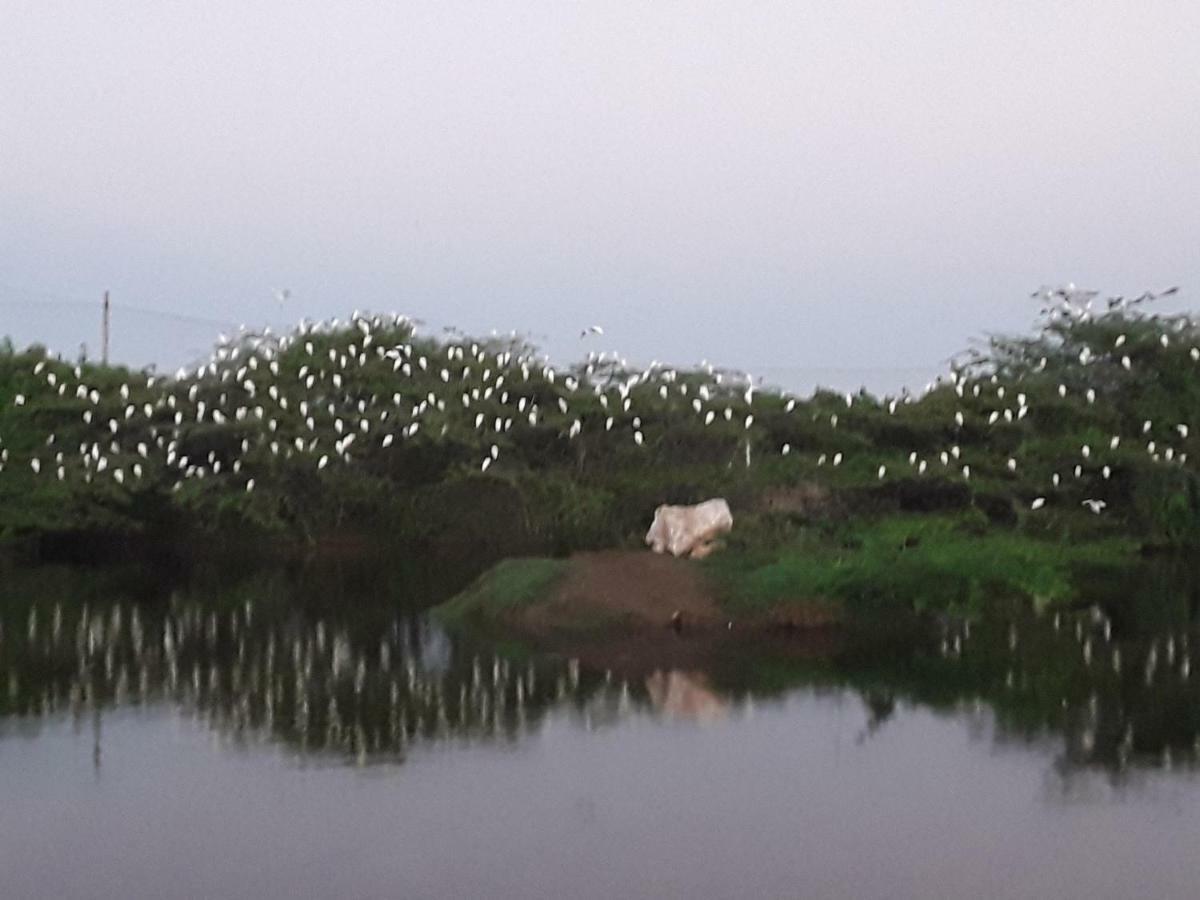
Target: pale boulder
689 530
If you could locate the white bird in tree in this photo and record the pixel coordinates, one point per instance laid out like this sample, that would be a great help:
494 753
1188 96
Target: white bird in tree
1096 506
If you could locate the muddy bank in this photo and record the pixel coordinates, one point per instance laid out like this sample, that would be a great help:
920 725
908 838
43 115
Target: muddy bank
631 611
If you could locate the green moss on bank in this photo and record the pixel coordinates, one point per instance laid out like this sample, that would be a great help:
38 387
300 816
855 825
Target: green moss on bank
909 563
506 587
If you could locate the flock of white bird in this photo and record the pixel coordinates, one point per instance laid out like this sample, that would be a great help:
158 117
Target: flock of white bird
338 392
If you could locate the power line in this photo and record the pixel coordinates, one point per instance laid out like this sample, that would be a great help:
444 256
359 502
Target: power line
61 300
51 299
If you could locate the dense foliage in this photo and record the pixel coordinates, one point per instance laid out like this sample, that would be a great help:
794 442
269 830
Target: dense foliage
368 426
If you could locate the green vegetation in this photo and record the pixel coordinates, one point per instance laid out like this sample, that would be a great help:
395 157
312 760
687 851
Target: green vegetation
369 428
506 587
907 563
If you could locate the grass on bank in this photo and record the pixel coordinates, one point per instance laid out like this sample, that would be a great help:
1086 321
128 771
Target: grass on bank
503 589
882 567
917 563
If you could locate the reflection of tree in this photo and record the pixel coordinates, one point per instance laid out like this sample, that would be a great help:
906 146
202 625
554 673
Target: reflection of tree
881 706
342 662
260 667
1113 677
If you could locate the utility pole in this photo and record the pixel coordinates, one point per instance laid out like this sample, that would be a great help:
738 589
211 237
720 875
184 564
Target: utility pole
104 332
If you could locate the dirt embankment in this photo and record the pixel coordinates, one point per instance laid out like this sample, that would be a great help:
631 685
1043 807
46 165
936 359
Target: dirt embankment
633 588
636 611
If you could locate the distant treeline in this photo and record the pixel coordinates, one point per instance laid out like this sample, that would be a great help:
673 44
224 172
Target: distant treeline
369 429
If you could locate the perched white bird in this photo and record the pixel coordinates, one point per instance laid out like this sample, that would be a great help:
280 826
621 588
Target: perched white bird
1096 506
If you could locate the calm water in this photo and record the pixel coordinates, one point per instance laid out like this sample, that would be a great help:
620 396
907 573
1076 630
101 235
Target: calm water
306 732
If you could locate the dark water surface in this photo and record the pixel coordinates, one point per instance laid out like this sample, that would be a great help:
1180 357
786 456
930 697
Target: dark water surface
307 732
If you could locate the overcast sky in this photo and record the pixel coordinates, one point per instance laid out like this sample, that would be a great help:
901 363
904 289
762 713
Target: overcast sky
787 187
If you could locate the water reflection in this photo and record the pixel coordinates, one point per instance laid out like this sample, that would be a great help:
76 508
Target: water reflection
362 683
1119 692
685 695
343 664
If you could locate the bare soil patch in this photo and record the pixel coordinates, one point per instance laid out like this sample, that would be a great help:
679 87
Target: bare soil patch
633 588
636 611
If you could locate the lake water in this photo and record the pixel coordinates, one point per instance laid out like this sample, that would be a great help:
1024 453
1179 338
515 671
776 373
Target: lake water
293 731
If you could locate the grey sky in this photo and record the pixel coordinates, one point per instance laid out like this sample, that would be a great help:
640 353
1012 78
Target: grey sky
781 186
